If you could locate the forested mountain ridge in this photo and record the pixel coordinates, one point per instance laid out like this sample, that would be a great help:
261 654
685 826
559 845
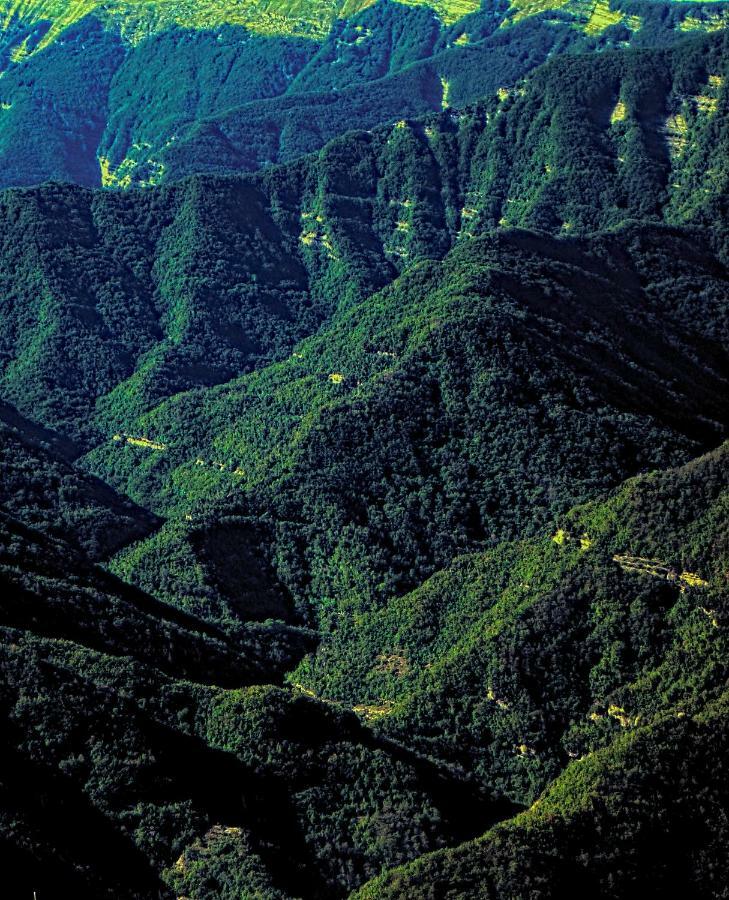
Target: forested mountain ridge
141 754
494 360
85 93
623 605
204 280
607 828
589 603
363 519
138 297
638 782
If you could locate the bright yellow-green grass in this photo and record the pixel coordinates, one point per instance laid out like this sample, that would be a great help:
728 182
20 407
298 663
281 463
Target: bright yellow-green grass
138 18
705 21
304 18
593 16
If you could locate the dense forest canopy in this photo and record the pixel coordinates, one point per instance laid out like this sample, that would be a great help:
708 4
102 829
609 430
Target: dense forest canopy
86 95
364 419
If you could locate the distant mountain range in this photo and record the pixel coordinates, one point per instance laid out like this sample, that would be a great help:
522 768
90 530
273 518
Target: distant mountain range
88 95
364 405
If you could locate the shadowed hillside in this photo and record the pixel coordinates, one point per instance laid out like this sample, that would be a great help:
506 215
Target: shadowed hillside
363 518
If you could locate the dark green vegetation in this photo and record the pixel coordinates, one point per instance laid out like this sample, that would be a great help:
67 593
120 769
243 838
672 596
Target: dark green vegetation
634 641
41 486
352 507
113 771
642 818
87 98
138 296
495 361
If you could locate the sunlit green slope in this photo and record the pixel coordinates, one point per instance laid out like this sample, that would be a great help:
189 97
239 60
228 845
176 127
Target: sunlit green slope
407 432
599 651
310 18
85 87
519 659
139 18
